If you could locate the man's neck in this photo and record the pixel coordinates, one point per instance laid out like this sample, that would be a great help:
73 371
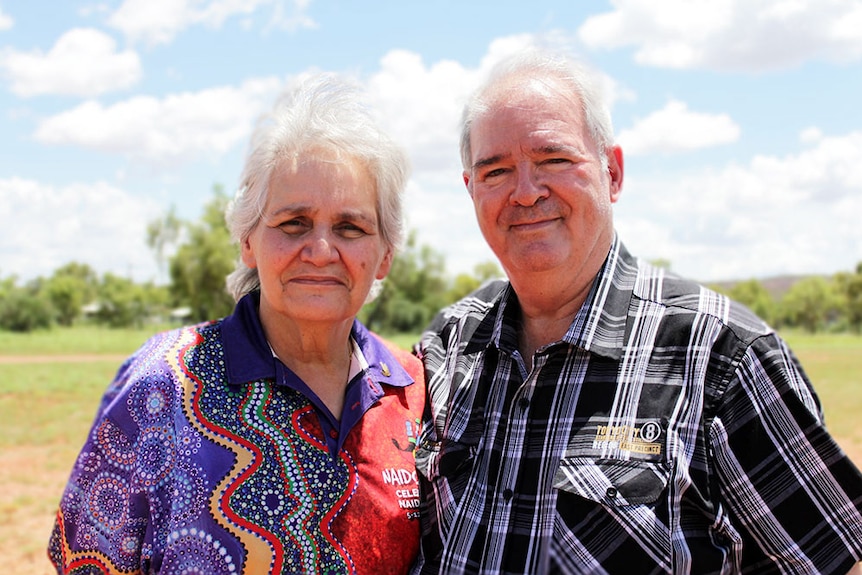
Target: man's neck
545 317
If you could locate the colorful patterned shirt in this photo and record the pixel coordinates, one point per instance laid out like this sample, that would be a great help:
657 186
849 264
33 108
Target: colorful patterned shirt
209 456
669 431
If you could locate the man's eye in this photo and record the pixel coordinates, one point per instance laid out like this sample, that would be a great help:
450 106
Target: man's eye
494 173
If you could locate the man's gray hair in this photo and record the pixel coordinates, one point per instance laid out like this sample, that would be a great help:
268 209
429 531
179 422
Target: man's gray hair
551 67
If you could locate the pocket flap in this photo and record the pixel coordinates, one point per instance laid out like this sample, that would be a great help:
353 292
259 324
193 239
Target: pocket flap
613 482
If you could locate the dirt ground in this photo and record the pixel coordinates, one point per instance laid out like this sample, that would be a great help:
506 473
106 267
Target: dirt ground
32 481
28 498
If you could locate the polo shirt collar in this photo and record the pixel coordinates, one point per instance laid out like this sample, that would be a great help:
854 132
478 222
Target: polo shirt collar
248 356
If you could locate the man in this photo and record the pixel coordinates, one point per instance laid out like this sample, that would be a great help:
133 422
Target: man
594 414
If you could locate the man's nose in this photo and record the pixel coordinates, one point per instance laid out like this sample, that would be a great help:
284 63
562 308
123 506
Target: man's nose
529 187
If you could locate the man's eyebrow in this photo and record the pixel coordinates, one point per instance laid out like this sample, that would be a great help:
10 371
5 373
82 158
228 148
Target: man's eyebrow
543 150
487 161
558 149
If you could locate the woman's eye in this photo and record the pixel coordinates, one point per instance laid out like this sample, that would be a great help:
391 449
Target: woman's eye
351 231
293 226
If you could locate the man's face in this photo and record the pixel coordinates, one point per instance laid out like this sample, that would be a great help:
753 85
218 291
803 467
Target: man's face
541 193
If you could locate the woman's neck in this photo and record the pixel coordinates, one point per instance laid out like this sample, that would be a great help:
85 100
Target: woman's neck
319 355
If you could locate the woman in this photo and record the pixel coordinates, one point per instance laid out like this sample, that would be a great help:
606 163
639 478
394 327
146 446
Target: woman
279 439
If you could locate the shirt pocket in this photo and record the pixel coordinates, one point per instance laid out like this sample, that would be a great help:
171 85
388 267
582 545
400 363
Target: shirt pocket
613 483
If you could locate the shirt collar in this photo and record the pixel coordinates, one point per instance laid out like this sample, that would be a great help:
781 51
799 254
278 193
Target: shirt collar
600 324
248 356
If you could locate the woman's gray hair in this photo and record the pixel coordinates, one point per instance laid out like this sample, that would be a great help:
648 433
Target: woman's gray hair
322 112
551 67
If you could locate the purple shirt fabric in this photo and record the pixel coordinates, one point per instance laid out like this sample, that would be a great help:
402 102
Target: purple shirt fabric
208 455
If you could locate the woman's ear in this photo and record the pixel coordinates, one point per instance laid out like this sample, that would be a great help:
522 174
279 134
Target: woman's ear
247 252
385 265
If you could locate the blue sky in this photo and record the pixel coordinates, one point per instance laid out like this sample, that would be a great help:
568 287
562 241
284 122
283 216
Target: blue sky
740 121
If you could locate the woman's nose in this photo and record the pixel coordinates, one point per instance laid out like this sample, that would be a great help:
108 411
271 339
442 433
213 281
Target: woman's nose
319 250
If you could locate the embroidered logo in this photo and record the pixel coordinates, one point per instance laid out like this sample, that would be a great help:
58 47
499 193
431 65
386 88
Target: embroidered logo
412 428
641 439
404 480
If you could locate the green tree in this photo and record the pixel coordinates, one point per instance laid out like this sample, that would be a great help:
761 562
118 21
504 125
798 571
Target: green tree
849 287
162 234
751 293
69 288
122 303
661 263
809 303
412 293
202 262
464 284
23 309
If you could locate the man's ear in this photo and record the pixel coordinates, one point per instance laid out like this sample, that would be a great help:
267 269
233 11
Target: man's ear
615 172
467 181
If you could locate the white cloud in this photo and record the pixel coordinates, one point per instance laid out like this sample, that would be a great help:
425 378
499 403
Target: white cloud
6 21
420 106
164 131
97 224
293 18
159 21
83 62
439 209
729 34
810 135
676 128
793 214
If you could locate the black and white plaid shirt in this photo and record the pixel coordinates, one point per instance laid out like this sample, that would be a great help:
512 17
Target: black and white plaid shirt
670 431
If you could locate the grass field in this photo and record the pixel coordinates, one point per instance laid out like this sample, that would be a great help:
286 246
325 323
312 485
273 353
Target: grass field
50 384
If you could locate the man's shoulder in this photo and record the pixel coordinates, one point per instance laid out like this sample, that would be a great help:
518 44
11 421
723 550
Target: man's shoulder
475 305
686 297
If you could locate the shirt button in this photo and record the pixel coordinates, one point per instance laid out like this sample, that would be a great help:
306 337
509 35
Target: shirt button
611 492
507 494
333 434
523 403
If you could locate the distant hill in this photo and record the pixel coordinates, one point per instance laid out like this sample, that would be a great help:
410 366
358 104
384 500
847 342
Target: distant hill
776 286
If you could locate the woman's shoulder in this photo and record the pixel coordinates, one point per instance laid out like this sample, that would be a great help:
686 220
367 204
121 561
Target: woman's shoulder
157 356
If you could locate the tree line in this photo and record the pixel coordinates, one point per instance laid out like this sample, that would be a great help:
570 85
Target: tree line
202 255
416 288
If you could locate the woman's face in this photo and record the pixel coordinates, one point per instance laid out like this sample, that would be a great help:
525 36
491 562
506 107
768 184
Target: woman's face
317 247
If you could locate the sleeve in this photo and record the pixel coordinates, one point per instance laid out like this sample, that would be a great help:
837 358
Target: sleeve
792 498
427 450
483 297
102 523
430 542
